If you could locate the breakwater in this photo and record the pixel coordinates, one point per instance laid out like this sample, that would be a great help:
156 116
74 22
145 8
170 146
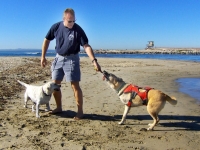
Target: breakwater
151 51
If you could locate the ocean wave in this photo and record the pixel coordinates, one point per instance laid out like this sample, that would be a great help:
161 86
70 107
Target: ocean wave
34 53
39 53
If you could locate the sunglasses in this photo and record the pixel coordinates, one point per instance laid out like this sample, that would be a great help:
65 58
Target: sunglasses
71 21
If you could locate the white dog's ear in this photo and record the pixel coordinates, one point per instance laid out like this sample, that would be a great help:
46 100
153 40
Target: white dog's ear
58 85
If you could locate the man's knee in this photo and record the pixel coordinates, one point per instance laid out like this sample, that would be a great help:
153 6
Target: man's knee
57 93
57 81
75 85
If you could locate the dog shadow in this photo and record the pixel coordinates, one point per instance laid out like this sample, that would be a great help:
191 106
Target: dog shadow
179 122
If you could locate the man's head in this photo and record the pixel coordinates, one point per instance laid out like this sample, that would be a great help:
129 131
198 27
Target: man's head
69 18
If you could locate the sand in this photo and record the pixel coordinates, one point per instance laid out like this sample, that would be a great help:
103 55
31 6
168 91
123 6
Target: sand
179 126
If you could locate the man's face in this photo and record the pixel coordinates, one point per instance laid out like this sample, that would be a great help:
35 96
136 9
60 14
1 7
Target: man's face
68 20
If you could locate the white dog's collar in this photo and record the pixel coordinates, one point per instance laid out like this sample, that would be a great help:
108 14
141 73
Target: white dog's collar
45 93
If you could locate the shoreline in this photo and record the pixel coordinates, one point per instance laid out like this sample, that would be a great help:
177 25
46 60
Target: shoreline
185 87
178 129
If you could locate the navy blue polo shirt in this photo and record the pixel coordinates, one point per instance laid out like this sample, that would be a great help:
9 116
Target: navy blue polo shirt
68 41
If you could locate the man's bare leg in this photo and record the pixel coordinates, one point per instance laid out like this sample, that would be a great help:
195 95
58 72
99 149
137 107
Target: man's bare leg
58 96
79 99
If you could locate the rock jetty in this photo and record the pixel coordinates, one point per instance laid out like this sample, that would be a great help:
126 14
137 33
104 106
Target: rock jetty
182 51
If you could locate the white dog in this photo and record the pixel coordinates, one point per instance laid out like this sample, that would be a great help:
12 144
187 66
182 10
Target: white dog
39 95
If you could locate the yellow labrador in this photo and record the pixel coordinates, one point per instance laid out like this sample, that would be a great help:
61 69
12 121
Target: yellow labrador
134 96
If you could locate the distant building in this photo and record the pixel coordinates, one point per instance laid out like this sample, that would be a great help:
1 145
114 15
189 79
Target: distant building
150 45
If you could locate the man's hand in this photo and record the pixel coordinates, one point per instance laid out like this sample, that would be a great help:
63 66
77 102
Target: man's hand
97 66
43 62
45 46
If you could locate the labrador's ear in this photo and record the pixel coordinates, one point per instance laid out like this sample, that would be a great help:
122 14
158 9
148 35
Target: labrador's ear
119 79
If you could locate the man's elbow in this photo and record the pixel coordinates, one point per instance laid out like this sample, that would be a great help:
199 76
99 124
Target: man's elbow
86 46
46 40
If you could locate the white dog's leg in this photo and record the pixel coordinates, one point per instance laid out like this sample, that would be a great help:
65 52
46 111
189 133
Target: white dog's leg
126 110
33 107
37 110
47 107
25 99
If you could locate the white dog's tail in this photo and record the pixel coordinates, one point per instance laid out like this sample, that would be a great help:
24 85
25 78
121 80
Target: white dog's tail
22 83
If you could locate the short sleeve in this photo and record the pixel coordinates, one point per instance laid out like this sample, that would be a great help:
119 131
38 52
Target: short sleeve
84 39
82 36
51 33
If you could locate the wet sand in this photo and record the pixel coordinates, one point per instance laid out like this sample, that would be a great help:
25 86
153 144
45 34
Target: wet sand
179 126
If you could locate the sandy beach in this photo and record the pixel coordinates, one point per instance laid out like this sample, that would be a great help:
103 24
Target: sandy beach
179 127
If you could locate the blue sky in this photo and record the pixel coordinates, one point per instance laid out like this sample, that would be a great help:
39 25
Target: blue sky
109 24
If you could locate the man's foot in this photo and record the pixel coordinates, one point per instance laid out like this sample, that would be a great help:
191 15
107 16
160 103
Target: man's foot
78 117
56 111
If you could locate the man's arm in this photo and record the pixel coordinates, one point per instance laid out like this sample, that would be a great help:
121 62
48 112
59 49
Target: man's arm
90 53
45 46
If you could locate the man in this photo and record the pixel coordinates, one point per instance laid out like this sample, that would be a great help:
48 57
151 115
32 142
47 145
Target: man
69 36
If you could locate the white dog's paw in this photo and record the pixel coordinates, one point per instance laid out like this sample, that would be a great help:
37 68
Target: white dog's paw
46 110
150 124
38 116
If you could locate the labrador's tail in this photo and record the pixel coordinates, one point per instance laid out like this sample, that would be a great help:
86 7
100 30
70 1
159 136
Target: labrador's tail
172 100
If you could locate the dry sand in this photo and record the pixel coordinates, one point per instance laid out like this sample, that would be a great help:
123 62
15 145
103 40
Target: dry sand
179 127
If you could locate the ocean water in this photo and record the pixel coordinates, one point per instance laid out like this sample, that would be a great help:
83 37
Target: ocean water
190 86
51 53
184 83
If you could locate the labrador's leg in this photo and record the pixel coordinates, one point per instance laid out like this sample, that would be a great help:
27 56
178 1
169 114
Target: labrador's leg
126 110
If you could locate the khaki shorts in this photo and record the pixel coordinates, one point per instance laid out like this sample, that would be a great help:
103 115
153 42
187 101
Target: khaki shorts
68 66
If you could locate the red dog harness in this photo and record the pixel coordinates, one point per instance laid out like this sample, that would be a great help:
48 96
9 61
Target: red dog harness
135 91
